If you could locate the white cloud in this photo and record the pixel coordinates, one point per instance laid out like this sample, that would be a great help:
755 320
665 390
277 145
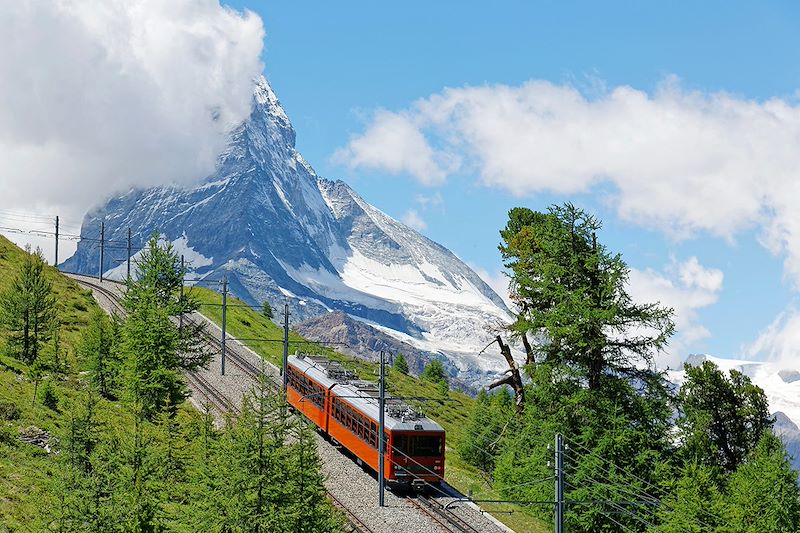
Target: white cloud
780 341
102 95
412 219
679 160
395 143
433 200
686 287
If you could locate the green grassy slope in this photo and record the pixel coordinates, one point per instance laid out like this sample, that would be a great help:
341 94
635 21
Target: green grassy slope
452 413
25 469
74 303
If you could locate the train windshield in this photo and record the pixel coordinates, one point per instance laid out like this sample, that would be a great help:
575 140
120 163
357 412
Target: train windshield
419 445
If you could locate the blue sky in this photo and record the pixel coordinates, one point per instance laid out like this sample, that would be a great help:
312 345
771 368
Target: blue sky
676 123
333 65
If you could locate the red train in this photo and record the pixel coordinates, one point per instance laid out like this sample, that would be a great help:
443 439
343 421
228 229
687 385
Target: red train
347 410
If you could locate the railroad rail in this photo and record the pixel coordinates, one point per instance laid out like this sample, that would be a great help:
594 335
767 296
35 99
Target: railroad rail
236 359
357 526
212 394
446 518
216 397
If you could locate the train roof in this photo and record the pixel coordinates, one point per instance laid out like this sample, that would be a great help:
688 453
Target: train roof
363 395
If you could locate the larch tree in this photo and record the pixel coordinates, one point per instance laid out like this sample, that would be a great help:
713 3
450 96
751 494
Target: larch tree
156 350
400 364
573 300
722 418
28 309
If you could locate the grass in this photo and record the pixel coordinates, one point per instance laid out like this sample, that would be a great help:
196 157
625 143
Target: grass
26 470
73 303
453 412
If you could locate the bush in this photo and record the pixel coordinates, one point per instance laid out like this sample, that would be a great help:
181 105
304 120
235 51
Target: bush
7 434
49 398
9 411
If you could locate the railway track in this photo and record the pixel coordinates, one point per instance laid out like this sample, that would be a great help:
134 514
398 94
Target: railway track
446 518
211 393
356 525
235 358
215 396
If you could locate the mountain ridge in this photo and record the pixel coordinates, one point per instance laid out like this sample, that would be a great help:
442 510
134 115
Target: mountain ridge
280 232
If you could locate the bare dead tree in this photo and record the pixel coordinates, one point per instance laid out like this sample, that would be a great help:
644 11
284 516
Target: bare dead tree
512 377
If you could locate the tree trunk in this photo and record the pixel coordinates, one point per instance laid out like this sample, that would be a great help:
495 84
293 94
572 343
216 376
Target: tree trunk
513 378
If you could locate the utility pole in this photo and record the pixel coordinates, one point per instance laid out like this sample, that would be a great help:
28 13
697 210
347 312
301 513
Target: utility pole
180 320
559 462
129 254
285 345
224 308
55 262
381 424
102 247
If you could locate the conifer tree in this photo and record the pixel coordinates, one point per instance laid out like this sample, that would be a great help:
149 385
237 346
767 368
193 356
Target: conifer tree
572 297
434 372
97 348
722 419
763 495
154 348
696 504
266 310
490 417
27 309
400 364
263 474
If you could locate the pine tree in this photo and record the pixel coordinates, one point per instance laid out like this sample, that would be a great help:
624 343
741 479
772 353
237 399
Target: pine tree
97 348
263 474
763 495
155 350
28 309
434 372
490 417
572 297
721 419
696 504
400 364
266 310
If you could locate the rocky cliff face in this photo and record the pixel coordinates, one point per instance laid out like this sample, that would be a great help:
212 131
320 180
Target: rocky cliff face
281 233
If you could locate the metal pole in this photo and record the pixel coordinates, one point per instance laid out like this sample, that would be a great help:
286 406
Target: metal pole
285 345
129 254
224 308
102 247
180 320
559 462
381 424
55 262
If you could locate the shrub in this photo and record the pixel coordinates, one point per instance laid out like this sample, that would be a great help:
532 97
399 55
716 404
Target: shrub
9 411
7 434
49 398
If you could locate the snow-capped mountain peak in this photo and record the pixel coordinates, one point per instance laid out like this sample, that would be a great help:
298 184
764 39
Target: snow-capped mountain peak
282 233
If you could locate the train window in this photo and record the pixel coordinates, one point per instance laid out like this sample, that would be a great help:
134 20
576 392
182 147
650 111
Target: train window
373 434
426 446
362 428
401 444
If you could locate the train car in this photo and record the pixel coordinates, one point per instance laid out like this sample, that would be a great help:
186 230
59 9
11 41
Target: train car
347 410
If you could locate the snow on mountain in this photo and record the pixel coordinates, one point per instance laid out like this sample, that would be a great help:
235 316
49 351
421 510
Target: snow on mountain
282 233
781 385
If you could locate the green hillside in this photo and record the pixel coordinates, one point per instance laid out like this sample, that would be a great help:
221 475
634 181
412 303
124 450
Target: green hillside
27 472
452 413
25 469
